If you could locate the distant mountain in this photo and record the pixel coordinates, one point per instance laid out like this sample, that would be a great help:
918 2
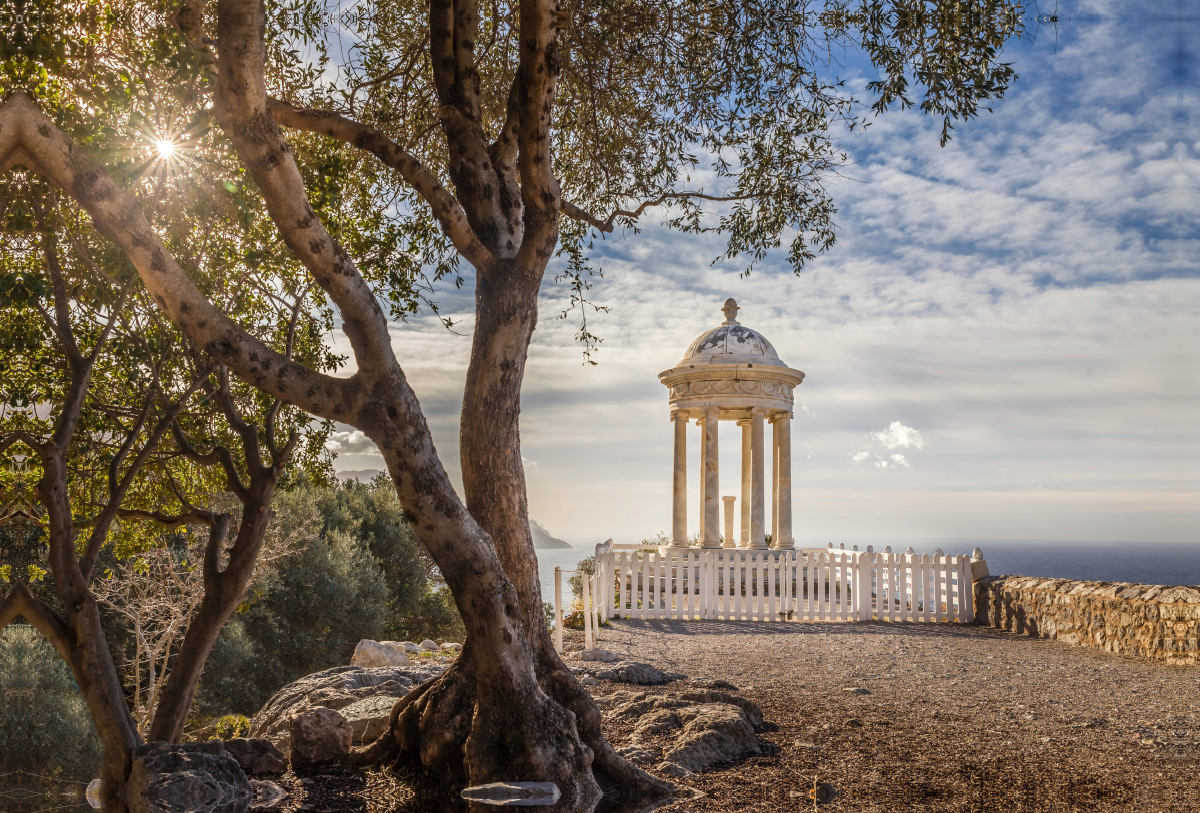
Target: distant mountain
362 475
543 539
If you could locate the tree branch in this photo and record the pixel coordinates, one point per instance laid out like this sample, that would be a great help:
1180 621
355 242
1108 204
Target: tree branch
446 209
537 74
576 213
218 455
28 136
196 516
241 108
19 602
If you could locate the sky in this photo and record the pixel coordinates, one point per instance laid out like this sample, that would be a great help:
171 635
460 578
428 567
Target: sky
1001 345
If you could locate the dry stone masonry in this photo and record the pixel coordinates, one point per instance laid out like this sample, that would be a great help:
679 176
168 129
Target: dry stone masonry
1151 622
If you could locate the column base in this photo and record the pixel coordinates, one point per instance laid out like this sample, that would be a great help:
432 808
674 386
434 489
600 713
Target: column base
788 545
758 546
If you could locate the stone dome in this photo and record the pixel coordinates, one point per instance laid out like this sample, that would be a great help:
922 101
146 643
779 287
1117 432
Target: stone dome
731 343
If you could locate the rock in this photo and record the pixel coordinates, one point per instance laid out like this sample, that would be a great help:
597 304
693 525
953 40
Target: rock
808 746
370 717
639 754
856 690
319 737
854 723
450 646
409 646
602 655
522 794
705 683
588 680
673 769
196 777
256 756
751 710
713 733
266 793
429 646
334 689
639 674
371 654
655 722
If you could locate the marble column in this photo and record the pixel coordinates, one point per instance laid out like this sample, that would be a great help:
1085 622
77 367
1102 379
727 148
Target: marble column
757 530
712 482
729 541
774 483
679 504
747 486
703 478
783 430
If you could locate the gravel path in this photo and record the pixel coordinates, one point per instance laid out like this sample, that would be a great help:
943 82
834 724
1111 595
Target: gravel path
957 718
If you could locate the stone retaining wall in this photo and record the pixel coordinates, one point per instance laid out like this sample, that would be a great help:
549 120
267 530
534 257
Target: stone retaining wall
1146 621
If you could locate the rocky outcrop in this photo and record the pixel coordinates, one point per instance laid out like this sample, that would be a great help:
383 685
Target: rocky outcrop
371 654
638 674
258 757
320 737
700 728
1151 622
197 777
370 717
334 689
713 733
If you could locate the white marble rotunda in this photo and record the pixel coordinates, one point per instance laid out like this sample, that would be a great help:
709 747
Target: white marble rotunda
732 373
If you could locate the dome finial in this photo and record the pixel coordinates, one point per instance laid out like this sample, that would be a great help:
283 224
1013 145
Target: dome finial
730 310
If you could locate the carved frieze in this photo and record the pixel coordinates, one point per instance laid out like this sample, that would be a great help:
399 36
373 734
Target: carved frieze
769 389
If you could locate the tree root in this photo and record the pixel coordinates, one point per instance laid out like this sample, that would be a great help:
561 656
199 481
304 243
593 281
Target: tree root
449 731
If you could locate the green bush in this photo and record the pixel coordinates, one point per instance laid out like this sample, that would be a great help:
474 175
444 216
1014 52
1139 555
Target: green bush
45 727
363 574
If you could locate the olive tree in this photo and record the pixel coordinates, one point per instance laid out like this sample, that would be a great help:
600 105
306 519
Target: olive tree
499 135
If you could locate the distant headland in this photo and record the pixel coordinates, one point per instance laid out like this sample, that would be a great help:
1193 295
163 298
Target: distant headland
542 538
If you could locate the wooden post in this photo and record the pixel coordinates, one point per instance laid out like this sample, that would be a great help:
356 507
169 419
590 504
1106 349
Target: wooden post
585 587
558 614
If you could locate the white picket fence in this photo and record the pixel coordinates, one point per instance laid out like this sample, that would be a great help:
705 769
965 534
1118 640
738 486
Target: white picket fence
799 585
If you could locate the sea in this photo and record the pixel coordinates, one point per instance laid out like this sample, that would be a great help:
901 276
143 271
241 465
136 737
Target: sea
1138 562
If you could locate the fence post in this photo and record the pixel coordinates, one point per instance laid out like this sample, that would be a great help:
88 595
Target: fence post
558 615
586 589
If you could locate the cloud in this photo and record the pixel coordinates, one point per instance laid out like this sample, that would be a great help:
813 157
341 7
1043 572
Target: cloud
899 436
899 460
860 456
351 442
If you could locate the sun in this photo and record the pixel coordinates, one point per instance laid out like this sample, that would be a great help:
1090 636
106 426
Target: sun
164 148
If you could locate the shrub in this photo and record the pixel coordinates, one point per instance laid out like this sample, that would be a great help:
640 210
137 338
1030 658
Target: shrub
45 727
364 574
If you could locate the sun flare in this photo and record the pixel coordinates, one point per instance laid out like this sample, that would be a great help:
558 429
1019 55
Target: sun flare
164 148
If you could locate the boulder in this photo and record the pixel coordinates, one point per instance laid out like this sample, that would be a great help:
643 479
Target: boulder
370 717
713 728
451 646
266 794
258 757
334 689
196 777
639 755
409 646
429 646
655 722
639 674
378 653
320 737
602 655
713 733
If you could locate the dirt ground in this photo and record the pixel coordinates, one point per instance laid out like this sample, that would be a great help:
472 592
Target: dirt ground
957 718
